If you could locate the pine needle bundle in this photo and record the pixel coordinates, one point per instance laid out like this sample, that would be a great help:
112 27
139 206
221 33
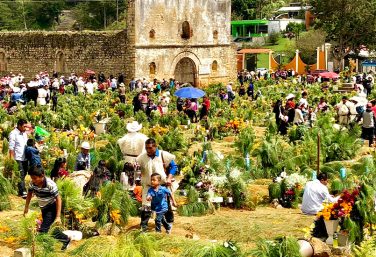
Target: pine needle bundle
72 199
199 249
133 244
196 209
275 191
111 202
282 246
6 189
41 244
245 140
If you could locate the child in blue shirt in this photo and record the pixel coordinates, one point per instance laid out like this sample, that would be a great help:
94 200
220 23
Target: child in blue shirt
32 154
158 195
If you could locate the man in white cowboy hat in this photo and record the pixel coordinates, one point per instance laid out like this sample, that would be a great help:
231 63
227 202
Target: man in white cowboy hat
144 98
83 158
164 100
131 145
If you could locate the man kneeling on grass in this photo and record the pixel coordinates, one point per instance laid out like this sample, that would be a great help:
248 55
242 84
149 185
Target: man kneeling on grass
49 201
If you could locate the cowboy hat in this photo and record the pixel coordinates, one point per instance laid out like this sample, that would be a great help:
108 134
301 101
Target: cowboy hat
122 85
134 126
289 96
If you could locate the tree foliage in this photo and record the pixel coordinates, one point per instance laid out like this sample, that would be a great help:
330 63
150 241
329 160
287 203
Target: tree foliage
29 14
255 9
99 14
307 44
348 23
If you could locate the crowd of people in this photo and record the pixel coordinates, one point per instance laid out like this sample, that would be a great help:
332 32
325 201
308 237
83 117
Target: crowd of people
149 172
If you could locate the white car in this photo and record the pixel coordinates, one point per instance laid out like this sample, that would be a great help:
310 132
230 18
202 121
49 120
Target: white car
262 71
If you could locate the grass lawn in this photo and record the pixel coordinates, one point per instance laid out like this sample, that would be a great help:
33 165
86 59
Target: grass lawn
284 45
244 227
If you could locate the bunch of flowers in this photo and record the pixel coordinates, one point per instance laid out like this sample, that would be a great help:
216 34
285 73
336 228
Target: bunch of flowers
342 208
295 180
158 130
288 189
235 125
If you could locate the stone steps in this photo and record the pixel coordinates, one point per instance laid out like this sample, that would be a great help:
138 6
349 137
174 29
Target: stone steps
345 88
67 21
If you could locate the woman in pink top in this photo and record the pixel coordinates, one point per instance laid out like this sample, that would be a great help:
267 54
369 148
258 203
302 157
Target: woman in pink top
322 106
194 108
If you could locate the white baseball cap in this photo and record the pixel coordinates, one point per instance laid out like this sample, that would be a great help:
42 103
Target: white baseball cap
85 145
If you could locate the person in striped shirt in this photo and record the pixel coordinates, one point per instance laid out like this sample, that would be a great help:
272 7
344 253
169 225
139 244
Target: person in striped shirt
49 201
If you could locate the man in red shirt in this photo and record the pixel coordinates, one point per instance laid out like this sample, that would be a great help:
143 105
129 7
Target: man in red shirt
205 108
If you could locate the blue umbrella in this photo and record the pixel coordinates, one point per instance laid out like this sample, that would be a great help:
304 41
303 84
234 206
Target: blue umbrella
189 92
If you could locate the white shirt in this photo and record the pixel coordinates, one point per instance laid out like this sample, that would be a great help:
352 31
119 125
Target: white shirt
315 193
42 94
154 165
80 86
304 102
89 88
298 118
17 143
132 145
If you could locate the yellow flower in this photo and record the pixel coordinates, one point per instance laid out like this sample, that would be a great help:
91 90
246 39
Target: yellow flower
4 229
115 216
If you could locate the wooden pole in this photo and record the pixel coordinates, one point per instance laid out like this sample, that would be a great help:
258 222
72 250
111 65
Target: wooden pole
318 154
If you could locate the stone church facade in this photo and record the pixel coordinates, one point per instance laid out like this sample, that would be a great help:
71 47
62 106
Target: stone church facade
188 40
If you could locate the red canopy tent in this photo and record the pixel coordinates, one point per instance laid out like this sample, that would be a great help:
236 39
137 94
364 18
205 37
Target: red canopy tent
329 75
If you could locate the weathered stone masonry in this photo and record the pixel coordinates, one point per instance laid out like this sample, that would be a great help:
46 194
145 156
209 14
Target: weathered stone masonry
184 39
32 52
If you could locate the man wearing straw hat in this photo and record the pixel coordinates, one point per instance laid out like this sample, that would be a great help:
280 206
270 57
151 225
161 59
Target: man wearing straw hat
131 145
122 93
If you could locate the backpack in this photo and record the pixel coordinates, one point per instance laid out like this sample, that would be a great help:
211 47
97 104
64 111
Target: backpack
343 110
359 109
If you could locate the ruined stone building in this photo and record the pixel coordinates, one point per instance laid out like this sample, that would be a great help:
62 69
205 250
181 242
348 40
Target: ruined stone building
188 40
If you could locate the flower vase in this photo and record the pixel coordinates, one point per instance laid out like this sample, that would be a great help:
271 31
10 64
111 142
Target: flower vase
331 228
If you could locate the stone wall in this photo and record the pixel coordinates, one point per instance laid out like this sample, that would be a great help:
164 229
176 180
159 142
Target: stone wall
32 52
184 39
188 40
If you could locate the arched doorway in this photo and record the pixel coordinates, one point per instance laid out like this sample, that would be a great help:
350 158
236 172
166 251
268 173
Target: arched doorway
3 62
185 71
60 62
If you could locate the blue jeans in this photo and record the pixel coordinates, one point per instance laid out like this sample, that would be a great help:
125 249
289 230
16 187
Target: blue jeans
22 167
161 220
49 216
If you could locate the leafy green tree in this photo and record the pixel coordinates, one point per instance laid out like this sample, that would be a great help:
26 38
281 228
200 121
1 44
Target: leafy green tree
29 14
99 14
255 9
43 14
295 28
347 23
6 17
274 37
308 43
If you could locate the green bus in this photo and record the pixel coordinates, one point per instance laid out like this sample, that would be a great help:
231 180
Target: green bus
249 28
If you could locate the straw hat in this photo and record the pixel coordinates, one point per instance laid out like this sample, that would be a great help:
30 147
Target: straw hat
134 126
